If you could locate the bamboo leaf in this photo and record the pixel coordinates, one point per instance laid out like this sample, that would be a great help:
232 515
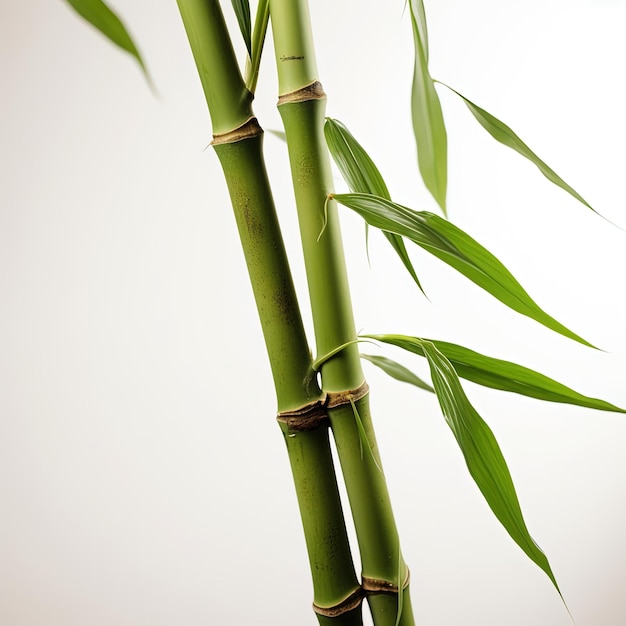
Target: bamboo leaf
456 248
499 374
362 175
397 371
98 14
428 124
355 165
505 135
483 456
242 12
363 439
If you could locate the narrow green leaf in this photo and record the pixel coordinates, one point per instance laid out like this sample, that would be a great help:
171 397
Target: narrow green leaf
505 135
355 165
499 374
395 370
456 248
483 456
258 40
428 124
109 24
242 11
397 243
363 439
362 175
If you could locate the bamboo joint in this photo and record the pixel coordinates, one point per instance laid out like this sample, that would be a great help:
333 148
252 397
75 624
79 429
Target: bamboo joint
339 398
250 128
308 417
376 585
314 91
314 414
345 606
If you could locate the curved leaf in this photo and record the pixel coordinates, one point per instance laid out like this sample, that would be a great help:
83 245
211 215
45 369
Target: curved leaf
397 371
428 124
109 24
355 165
483 456
456 248
499 374
505 135
362 175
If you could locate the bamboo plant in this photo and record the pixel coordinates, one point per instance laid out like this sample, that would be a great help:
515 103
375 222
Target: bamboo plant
328 392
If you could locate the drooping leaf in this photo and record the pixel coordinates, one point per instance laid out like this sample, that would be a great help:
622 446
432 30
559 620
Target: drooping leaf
483 456
499 374
362 175
109 24
428 124
242 12
395 370
505 135
258 40
456 248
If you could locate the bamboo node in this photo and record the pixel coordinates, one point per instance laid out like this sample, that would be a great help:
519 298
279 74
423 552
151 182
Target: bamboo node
250 128
339 398
350 603
377 585
307 417
314 91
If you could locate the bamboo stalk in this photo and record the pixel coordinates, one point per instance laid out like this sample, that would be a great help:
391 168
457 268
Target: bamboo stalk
302 107
301 404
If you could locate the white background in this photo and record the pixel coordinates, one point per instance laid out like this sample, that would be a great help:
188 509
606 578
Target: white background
143 480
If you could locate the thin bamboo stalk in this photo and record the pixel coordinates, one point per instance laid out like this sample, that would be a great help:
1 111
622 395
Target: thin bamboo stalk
302 107
302 411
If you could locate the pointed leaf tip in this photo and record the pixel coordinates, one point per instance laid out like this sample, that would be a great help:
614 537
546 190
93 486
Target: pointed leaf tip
362 175
483 456
455 247
99 15
506 136
498 374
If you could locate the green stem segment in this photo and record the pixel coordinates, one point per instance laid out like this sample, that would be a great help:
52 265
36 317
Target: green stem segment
277 306
321 237
302 108
230 103
302 411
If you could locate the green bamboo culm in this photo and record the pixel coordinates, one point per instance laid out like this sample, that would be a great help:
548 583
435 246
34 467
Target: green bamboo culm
228 99
302 105
302 413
